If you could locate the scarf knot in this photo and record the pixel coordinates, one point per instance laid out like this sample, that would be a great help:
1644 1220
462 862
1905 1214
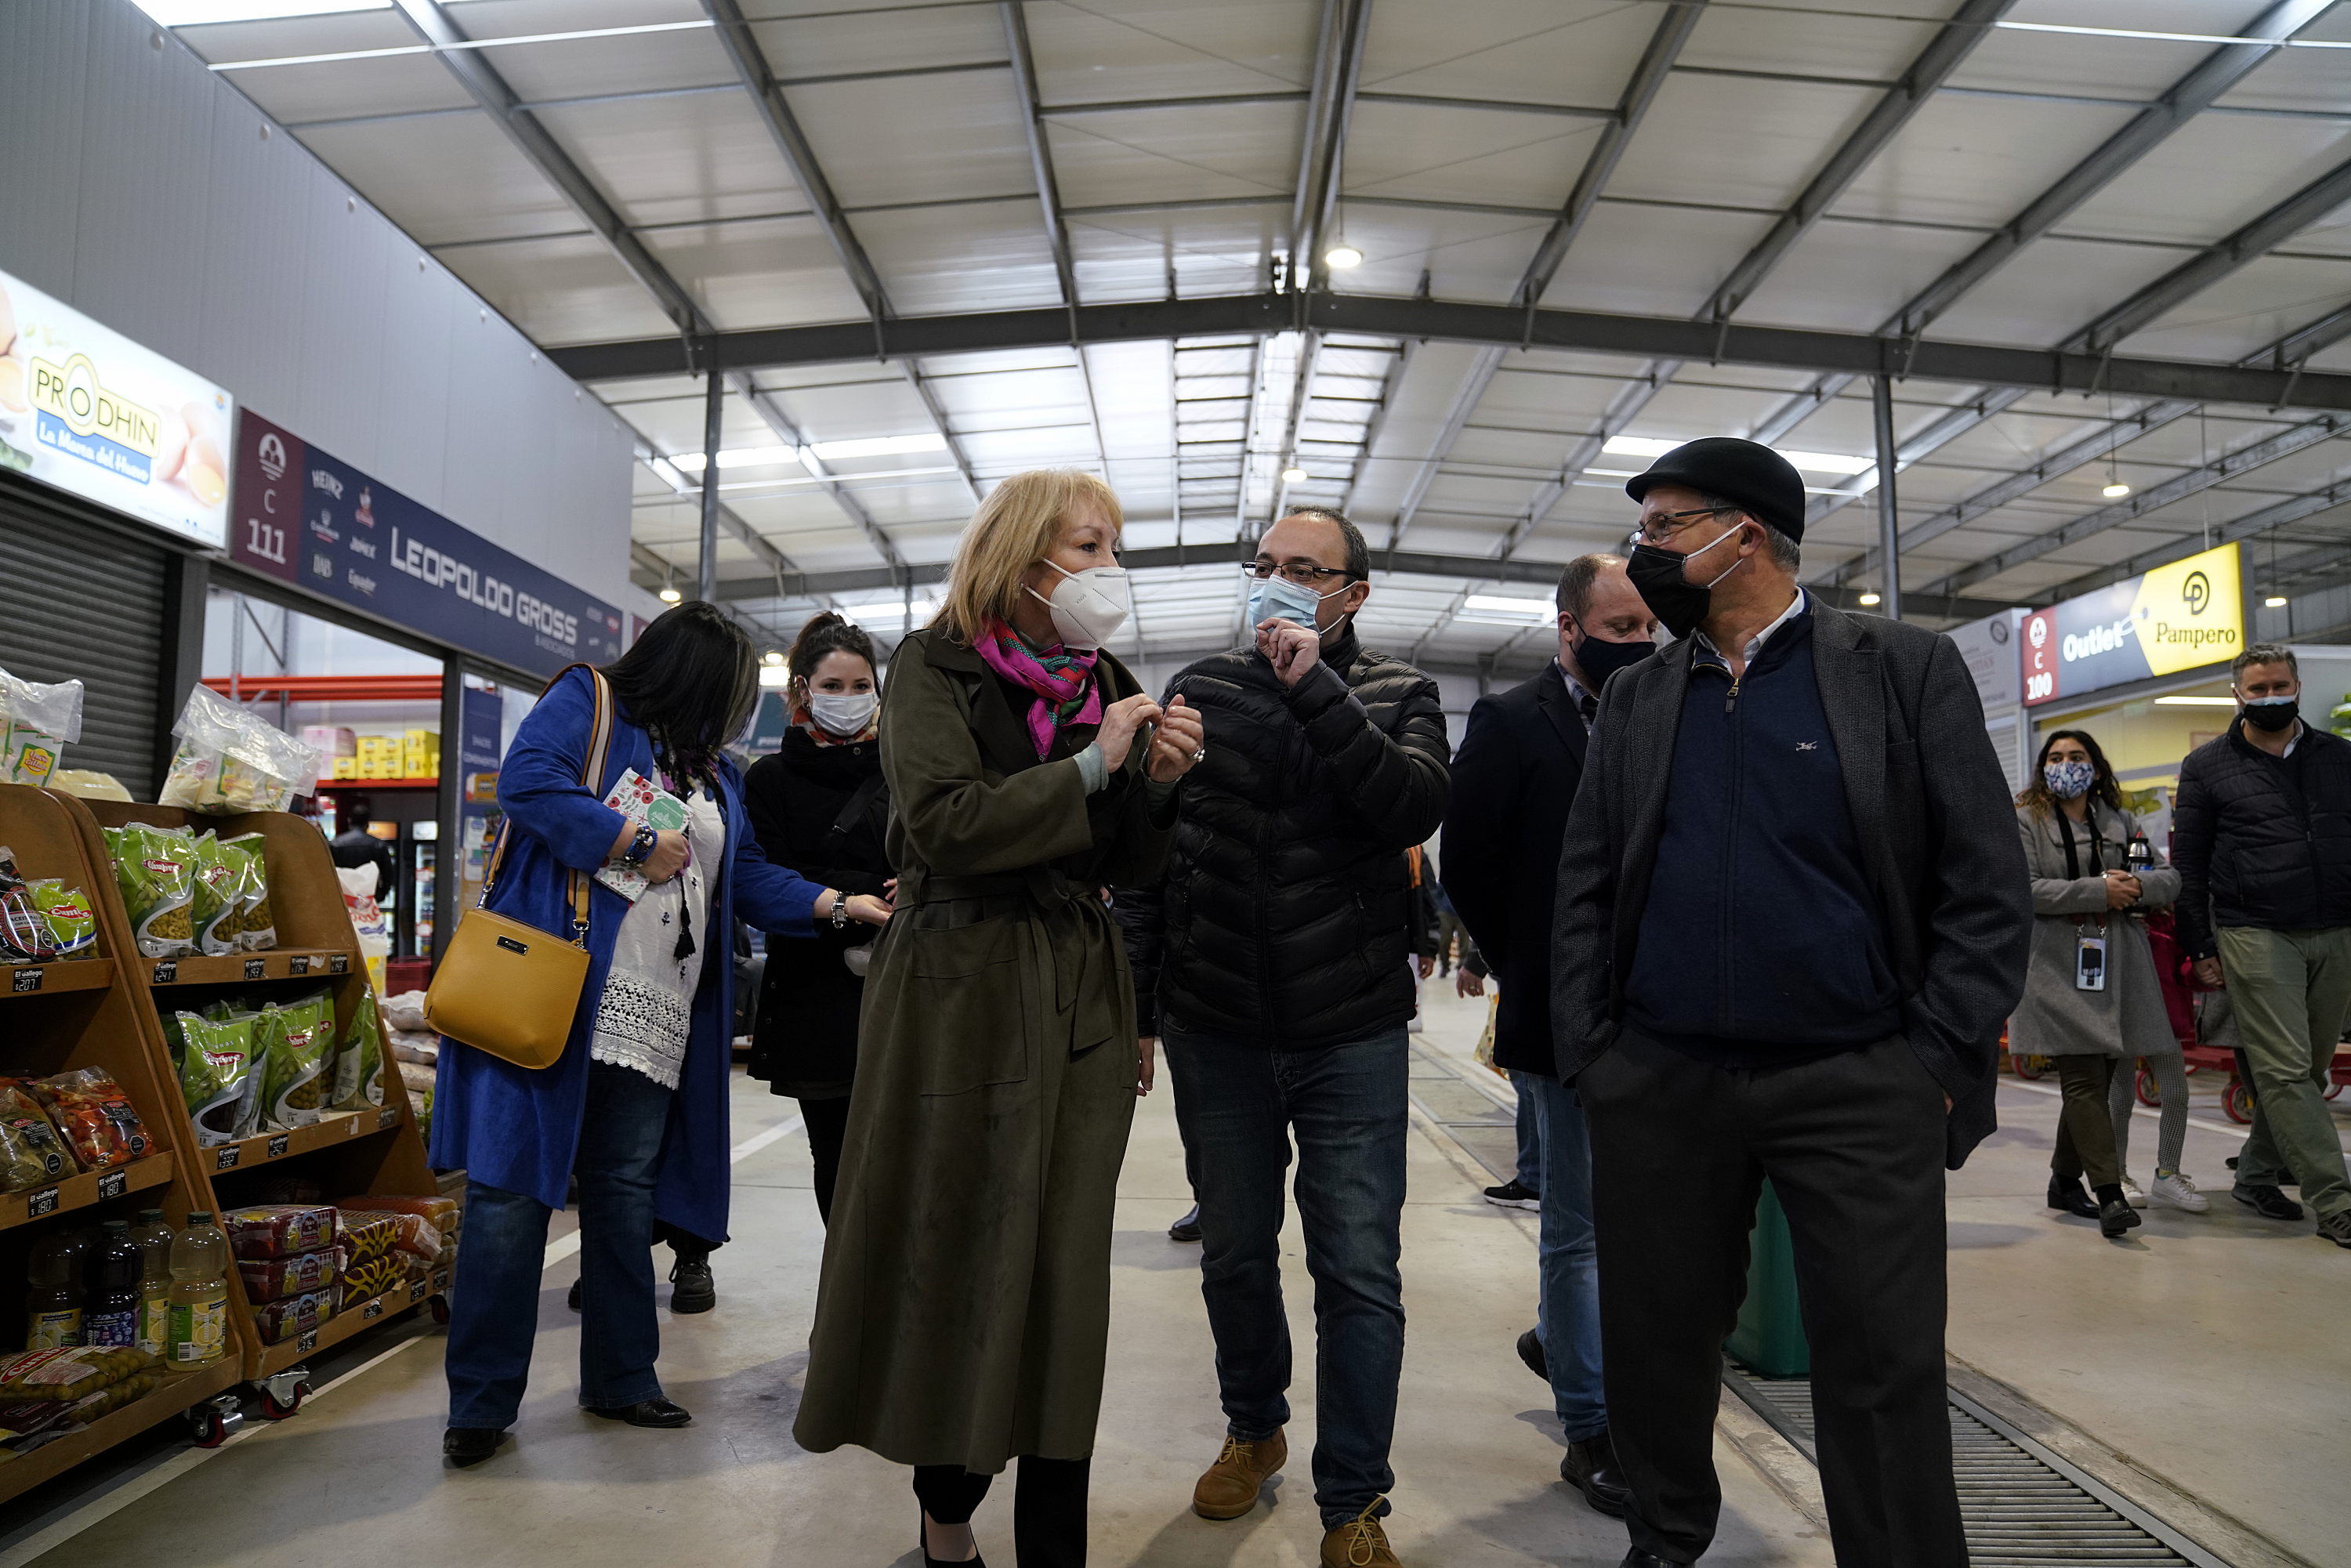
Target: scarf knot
1061 680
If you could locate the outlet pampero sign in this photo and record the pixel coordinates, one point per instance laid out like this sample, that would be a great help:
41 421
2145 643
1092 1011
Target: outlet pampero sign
88 411
2178 617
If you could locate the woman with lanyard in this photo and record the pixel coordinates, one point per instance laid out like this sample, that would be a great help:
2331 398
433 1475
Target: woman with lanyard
820 806
2093 1002
964 1315
636 1104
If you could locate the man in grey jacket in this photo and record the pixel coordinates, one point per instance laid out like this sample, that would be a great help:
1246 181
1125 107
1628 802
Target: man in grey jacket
1792 914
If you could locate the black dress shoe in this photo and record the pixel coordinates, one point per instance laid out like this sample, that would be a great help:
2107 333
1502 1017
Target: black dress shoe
1187 1229
464 1445
1589 1466
696 1290
1530 1351
2066 1196
2115 1218
1636 1558
2266 1200
644 1413
923 1539
572 1300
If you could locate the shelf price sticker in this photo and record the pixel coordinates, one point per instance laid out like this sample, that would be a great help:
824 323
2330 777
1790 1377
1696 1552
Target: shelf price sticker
256 968
225 1158
26 978
308 1342
40 1203
385 1118
373 1310
299 964
167 973
415 1291
114 1183
339 963
277 1145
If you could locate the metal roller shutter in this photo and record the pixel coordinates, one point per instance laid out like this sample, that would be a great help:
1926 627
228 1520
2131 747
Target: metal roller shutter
80 602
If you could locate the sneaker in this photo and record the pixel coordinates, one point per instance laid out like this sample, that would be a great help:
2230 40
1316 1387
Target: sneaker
2132 1194
1513 1194
696 1290
2176 1189
1361 1543
2336 1227
1229 1488
1187 1229
2266 1200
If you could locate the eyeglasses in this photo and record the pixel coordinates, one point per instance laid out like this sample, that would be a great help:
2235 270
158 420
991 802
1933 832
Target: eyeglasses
1297 571
1650 533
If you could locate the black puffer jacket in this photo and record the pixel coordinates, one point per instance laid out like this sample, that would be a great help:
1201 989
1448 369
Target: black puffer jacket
1286 913
2260 839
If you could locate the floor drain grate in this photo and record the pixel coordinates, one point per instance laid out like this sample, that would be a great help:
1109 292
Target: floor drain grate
2024 1506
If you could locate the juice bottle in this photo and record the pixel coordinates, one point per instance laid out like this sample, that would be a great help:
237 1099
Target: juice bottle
111 1314
53 1305
153 1236
198 1335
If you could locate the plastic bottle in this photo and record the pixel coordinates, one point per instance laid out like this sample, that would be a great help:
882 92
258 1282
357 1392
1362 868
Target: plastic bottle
2139 855
110 1315
53 1305
198 1335
153 1235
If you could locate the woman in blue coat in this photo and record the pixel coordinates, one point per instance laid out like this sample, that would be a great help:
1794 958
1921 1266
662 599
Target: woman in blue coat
637 1103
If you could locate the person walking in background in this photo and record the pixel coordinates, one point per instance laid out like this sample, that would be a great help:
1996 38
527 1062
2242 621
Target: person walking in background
2261 833
820 806
1285 989
964 1313
1452 936
1791 915
637 1102
2093 1002
353 846
1513 781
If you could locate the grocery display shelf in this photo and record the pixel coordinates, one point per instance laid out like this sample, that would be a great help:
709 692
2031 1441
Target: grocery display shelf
235 968
44 979
81 1191
334 1128
55 1458
329 786
276 1358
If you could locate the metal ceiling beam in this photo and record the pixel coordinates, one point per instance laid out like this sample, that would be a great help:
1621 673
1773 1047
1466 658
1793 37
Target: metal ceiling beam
2261 520
2227 465
1338 72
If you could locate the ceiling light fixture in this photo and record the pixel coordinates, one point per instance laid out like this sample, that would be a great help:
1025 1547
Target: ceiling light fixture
1293 476
1817 462
203 13
2116 491
773 678
1342 256
2275 601
453 48
671 596
1539 608
774 657
2196 702
1868 601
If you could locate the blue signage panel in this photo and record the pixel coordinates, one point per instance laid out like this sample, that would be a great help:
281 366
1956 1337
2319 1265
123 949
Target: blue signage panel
306 518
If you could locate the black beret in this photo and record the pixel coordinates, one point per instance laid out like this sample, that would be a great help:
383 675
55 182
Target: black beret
1747 472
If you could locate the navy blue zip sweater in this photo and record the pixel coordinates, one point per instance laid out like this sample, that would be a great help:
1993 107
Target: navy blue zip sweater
1760 941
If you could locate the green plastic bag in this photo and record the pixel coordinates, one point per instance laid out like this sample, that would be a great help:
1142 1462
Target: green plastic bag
215 1057
156 870
296 1043
215 908
256 927
359 1068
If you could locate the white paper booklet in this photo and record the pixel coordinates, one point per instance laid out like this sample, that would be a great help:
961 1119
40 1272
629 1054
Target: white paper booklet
640 799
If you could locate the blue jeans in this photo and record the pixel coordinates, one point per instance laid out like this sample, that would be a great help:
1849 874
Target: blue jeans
1529 1172
1239 1105
494 1303
1567 1255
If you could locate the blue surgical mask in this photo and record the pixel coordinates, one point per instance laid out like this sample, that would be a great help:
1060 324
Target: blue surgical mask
1277 596
2068 780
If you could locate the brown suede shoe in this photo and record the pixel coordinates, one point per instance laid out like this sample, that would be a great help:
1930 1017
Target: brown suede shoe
1229 1488
1361 1543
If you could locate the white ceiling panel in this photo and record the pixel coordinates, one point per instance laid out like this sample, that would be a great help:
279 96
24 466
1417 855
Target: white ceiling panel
677 160
1112 50
2053 290
1762 141
2213 175
2115 66
2256 306
449 178
1532 51
1844 40
916 138
1210 253
1652 261
1177 155
780 273
843 44
1977 160
1409 151
567 290
995 257
639 62
1842 273
336 90
1466 255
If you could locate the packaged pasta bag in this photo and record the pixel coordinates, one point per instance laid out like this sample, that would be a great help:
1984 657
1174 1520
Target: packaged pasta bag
215 1057
216 906
296 1041
256 927
96 1119
67 912
230 760
358 1066
31 1153
37 722
156 870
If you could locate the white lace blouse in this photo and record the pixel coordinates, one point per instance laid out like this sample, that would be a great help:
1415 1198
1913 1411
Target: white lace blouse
647 1008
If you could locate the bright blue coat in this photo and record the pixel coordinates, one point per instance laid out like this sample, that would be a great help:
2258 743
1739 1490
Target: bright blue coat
518 1130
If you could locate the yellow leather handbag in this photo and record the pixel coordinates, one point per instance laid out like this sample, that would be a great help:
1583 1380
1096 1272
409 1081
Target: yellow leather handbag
505 987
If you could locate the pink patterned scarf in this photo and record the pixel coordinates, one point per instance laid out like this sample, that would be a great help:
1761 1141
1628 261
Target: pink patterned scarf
1063 682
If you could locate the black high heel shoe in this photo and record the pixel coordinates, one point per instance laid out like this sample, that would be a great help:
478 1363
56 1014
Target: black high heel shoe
923 1542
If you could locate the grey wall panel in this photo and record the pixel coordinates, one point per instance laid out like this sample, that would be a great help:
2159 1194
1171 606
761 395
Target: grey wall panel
346 249
413 366
253 265
42 46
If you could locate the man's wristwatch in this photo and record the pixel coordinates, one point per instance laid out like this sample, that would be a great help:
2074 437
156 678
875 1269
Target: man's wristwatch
640 848
839 909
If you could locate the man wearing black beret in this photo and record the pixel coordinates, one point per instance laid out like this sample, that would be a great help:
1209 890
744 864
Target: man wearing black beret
1792 913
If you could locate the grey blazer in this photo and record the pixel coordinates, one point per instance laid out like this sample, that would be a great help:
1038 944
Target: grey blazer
1935 822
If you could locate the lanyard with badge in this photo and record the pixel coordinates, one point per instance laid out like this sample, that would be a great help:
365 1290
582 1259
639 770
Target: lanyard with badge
2089 951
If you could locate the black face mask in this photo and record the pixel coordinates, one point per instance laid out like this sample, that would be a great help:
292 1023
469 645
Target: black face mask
2273 714
1656 575
1599 658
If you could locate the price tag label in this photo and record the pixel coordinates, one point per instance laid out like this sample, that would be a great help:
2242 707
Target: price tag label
416 1292
42 1202
339 963
373 1310
256 968
441 1279
308 1342
167 973
299 964
114 1183
27 978
225 1158
385 1118
277 1147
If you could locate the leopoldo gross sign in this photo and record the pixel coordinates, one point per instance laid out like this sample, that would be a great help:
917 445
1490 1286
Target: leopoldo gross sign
2178 617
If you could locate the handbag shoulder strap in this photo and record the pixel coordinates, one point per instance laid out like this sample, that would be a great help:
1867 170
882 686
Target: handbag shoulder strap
591 773
860 800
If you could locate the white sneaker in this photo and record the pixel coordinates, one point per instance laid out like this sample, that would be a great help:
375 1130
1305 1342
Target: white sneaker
2131 1193
2178 1190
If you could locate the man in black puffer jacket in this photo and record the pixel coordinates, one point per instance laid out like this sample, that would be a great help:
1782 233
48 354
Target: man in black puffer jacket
1279 951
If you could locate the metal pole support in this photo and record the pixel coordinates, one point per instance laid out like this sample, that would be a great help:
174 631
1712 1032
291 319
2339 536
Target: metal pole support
1889 520
713 409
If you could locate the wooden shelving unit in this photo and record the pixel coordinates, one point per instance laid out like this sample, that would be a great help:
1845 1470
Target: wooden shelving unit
103 1012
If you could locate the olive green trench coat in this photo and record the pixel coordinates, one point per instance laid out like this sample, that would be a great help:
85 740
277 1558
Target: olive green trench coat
2056 1017
964 1312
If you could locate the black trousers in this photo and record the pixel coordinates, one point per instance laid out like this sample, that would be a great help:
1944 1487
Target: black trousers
2085 1127
1854 1145
1048 1506
828 1125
